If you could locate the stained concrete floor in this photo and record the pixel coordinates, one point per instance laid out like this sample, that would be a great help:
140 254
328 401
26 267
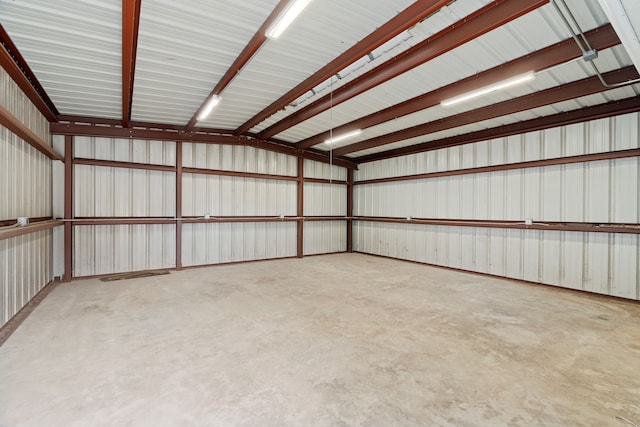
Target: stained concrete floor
322 341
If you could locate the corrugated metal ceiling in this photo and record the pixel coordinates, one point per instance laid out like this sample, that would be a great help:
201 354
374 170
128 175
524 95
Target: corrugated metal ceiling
185 48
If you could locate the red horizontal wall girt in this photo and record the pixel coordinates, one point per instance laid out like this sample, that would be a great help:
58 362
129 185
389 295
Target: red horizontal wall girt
544 226
595 157
406 19
12 123
550 96
600 38
609 109
488 18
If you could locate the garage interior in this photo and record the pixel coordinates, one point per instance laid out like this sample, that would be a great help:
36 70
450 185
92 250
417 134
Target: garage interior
381 213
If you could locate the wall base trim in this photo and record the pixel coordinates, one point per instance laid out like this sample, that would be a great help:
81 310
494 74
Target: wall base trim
496 276
10 327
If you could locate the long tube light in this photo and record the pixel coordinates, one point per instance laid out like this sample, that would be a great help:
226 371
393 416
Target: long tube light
291 12
513 81
343 136
213 101
621 22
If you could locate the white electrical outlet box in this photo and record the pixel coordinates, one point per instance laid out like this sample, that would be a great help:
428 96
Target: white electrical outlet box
23 220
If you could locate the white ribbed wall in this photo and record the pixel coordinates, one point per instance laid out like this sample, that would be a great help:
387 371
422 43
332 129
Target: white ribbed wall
215 243
601 191
324 200
25 190
110 191
237 196
104 249
321 237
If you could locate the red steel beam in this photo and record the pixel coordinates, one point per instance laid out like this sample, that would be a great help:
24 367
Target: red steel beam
556 161
12 123
247 53
482 21
28 73
68 208
610 109
15 65
544 226
300 209
350 210
600 38
541 98
130 25
207 138
179 205
406 19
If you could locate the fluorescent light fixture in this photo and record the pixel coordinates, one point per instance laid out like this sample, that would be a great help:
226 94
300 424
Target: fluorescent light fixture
522 78
343 136
213 101
288 15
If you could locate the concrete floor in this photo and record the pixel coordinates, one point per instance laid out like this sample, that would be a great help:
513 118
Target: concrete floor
321 341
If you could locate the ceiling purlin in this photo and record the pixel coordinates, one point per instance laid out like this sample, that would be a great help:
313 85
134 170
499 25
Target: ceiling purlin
600 38
575 89
406 19
245 56
16 66
594 112
130 26
480 22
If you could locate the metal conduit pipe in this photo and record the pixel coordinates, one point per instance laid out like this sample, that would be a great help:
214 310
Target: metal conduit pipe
588 53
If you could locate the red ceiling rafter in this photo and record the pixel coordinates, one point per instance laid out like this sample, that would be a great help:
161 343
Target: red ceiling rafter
541 98
130 25
16 66
245 56
609 109
159 134
484 20
600 38
406 19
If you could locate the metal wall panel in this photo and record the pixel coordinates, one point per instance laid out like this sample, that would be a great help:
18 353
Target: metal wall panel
25 268
107 191
599 192
609 134
237 158
321 237
18 104
25 173
125 150
25 179
237 196
324 171
595 262
325 199
106 249
25 190
215 243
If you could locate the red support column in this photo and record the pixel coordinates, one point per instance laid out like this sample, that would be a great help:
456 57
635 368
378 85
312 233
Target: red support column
350 210
300 211
179 205
68 208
